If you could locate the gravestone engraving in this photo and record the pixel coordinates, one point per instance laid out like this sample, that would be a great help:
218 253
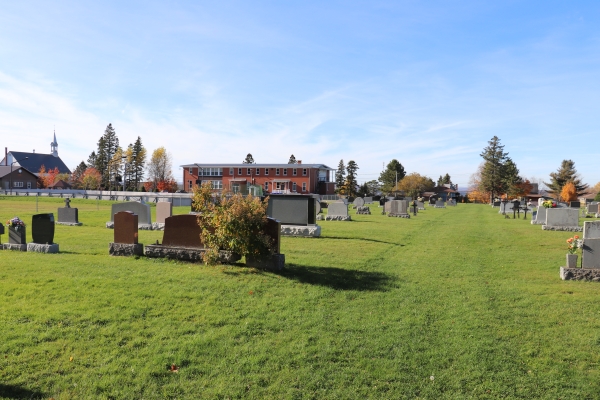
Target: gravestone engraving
164 209
142 211
126 227
42 228
359 202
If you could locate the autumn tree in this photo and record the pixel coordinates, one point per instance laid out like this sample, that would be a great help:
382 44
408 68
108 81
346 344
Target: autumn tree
91 179
569 192
77 174
414 184
566 173
475 193
160 168
340 177
394 173
47 178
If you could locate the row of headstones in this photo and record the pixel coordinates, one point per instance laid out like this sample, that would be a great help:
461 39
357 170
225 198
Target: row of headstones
590 252
182 241
42 232
164 210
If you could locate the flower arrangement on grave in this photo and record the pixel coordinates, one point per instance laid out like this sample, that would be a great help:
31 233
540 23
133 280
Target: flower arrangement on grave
15 223
549 204
420 198
574 244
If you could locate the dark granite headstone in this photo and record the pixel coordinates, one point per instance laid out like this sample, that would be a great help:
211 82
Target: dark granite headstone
292 210
126 227
575 204
17 235
42 228
182 231
68 215
273 229
1 229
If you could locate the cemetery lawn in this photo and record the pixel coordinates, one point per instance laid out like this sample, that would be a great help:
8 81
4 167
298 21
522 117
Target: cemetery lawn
453 303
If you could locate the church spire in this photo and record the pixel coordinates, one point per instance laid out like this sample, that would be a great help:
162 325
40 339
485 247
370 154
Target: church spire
54 145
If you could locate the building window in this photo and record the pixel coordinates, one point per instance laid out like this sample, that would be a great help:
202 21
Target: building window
294 186
304 186
304 171
249 171
231 171
266 171
18 184
266 185
295 171
239 172
284 171
28 185
189 185
257 171
191 171
217 185
276 171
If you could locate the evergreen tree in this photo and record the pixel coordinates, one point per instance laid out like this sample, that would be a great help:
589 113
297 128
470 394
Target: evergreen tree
447 180
492 179
440 181
136 159
566 173
512 181
292 160
107 147
249 159
350 187
91 161
78 174
340 175
393 173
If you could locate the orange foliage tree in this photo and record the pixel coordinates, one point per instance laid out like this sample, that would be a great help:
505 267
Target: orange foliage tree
477 196
569 192
46 178
91 178
169 185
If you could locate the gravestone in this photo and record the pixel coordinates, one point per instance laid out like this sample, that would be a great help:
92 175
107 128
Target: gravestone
451 203
337 212
164 209
420 205
1 233
292 209
540 218
42 228
125 235
276 261
42 232
439 204
317 207
397 208
359 202
68 215
142 210
592 208
368 200
408 198
382 201
432 201
590 252
562 219
575 204
16 238
182 231
496 204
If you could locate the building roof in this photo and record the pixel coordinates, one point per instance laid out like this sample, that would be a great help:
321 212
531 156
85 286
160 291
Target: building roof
36 160
59 184
196 165
5 170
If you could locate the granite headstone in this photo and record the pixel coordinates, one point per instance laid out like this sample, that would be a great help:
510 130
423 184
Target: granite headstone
164 209
126 227
292 209
142 210
42 228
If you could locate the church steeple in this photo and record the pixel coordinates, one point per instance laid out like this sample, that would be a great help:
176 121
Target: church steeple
53 146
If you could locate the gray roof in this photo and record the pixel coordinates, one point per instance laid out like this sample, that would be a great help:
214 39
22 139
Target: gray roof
5 170
318 166
36 160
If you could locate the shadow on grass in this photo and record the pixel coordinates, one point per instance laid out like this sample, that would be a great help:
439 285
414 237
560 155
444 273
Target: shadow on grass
17 392
338 278
362 239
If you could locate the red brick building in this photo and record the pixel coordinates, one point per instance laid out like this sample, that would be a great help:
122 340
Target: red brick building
272 178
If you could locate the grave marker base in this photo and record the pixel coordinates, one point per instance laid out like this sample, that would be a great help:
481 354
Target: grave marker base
69 223
43 248
580 274
14 247
337 218
563 228
187 253
124 249
276 262
301 230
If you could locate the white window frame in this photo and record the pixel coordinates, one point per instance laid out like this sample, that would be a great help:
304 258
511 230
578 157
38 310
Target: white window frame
294 186
304 171
266 171
304 186
189 185
231 171
267 186
249 171
295 171
239 171
257 171
28 185
285 172
17 184
277 171
191 170
218 185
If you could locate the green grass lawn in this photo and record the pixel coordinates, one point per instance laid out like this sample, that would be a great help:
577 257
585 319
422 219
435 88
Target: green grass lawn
454 303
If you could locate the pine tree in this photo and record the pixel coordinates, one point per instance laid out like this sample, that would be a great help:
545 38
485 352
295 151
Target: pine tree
492 179
393 173
512 181
107 147
136 160
78 174
91 161
447 180
566 173
440 181
351 184
249 159
340 175
292 160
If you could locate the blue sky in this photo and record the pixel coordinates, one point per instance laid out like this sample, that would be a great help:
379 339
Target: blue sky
425 82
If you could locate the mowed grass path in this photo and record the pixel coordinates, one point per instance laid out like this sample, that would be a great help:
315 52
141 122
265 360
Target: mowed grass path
455 303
